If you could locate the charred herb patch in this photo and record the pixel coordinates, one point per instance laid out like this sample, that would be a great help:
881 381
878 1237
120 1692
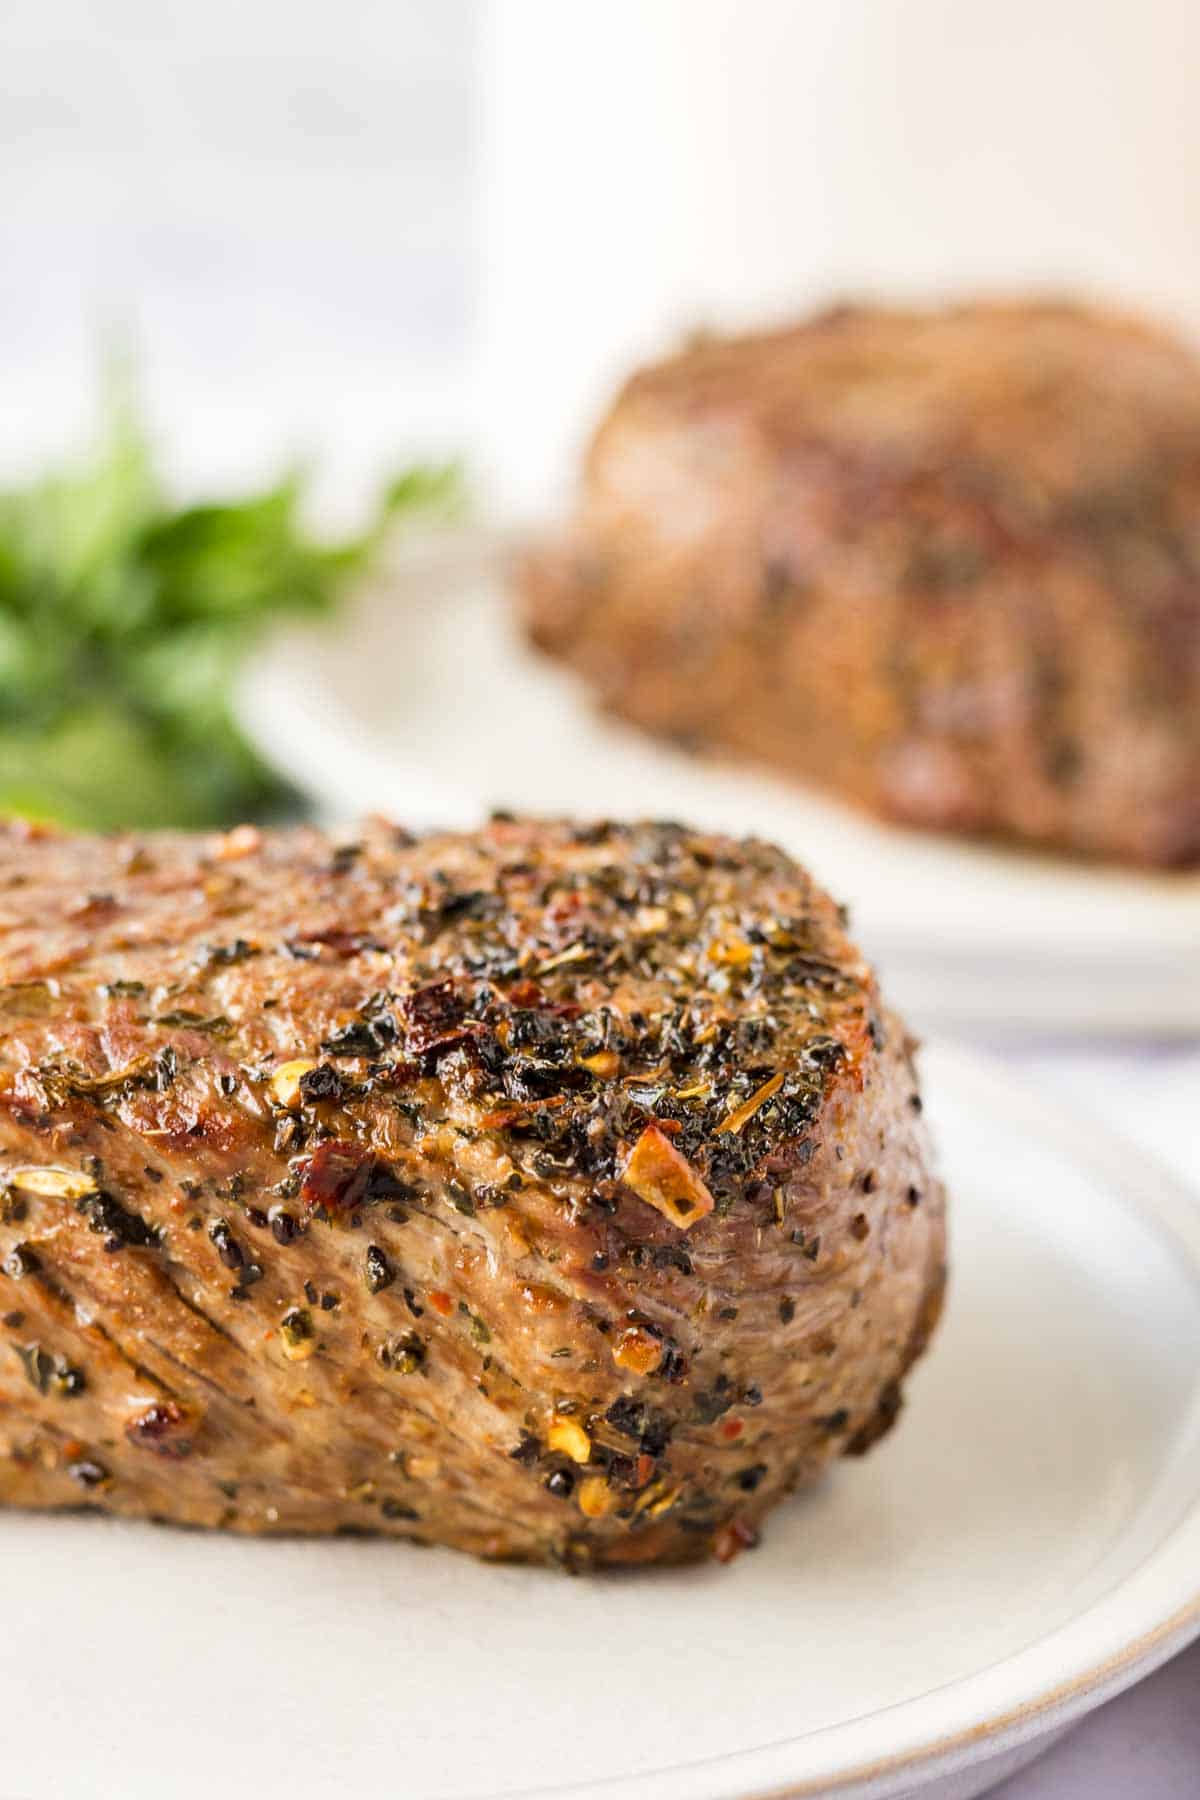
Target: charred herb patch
50 1374
214 1025
362 1037
392 1508
635 1419
116 1223
223 956
296 1332
672 1256
379 1271
249 1275
433 1018
284 1225
225 1244
626 1415
322 1083
708 1407
436 911
404 1355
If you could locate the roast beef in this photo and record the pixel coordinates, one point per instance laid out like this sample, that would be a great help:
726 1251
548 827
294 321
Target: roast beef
555 1192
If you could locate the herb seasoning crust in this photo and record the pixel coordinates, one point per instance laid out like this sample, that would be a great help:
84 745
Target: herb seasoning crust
946 564
555 1192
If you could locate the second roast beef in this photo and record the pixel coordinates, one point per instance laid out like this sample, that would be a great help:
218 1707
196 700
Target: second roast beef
946 564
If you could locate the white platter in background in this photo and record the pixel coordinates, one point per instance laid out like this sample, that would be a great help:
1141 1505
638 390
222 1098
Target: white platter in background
1026 1543
423 703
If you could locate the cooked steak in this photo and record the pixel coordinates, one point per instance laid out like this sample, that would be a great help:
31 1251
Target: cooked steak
946 564
553 1192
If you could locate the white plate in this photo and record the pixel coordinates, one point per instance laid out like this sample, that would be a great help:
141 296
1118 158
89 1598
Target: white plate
1026 1543
424 704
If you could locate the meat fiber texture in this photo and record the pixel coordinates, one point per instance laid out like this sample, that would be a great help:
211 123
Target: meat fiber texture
945 564
554 1192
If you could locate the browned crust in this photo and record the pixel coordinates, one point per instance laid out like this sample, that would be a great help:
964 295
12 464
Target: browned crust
451 1180
946 564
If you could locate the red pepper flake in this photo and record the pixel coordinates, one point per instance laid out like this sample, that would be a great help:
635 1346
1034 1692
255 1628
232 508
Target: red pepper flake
338 1176
159 1429
732 1539
434 1018
732 1428
441 1302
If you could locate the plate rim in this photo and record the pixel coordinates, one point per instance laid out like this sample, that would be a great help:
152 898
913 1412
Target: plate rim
1160 1201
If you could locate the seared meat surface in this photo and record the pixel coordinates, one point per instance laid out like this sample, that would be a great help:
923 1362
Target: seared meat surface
946 564
553 1192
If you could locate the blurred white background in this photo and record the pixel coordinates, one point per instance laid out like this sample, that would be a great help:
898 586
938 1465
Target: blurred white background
278 198
411 223
654 165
